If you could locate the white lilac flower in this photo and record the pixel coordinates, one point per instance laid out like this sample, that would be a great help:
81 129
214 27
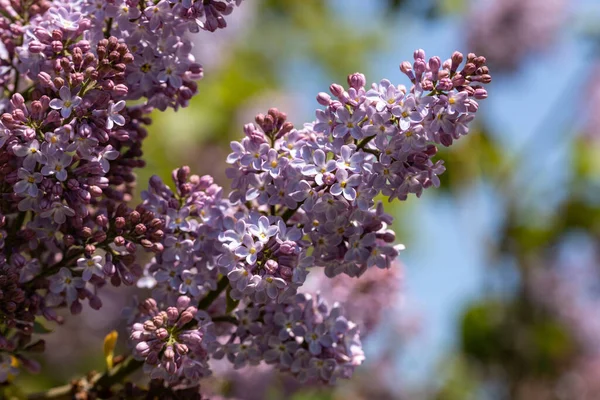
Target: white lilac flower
113 116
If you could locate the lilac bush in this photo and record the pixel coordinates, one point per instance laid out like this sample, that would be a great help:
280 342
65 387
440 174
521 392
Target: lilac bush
227 267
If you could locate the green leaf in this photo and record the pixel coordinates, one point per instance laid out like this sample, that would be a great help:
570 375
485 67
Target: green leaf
39 328
231 303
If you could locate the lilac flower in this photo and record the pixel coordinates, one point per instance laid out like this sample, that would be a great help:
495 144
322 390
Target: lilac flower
114 118
5 134
280 352
172 72
385 95
28 183
248 249
58 212
57 165
65 19
189 283
64 281
273 285
158 14
31 153
91 266
178 219
350 160
320 167
274 164
457 103
349 123
406 112
105 156
263 231
345 185
66 102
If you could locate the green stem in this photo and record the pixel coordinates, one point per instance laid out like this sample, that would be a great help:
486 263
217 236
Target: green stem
117 374
100 382
56 267
57 393
108 28
290 212
364 142
212 296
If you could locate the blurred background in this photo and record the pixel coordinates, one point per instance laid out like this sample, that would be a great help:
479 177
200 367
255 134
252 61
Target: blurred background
499 293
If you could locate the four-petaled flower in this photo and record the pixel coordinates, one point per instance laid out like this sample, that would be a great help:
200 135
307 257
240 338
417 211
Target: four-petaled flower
66 102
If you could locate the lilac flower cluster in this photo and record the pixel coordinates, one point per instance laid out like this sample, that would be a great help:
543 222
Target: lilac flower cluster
226 272
69 143
323 178
168 347
302 336
163 68
194 216
302 199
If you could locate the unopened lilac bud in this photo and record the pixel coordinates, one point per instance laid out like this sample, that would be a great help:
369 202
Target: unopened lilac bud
185 318
419 54
152 358
95 302
140 229
181 348
480 94
336 90
172 314
36 47
86 232
457 59
119 241
120 222
469 69
183 302
161 333
323 99
142 348
435 63
68 240
149 325
57 47
356 80
99 236
102 221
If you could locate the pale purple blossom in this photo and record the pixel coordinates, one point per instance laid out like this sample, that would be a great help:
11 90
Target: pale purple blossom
66 102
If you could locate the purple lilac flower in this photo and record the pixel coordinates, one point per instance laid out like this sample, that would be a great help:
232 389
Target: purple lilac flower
66 102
